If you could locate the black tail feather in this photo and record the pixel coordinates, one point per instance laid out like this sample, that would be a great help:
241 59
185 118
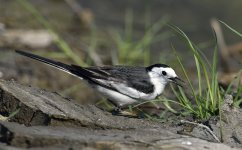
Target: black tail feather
77 71
84 73
52 63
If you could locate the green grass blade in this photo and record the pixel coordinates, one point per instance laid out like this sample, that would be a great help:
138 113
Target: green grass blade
199 76
230 28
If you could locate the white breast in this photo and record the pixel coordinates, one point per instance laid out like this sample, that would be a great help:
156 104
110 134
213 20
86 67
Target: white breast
159 84
116 97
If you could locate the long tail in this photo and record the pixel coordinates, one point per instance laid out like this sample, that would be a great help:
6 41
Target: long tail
52 63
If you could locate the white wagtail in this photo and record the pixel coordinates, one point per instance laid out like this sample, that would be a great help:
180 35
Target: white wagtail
122 85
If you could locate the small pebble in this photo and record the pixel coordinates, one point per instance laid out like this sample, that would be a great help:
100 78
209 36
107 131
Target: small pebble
187 143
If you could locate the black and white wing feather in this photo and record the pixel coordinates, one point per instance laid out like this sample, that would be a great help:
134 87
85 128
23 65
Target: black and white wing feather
131 81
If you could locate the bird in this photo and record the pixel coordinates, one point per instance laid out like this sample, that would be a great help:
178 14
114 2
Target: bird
121 85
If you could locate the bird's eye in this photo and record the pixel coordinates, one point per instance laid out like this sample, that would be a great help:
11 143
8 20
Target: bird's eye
164 73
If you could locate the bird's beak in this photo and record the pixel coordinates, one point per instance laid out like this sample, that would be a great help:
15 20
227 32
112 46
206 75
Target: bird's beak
177 81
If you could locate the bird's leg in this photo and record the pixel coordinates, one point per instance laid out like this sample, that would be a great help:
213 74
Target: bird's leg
118 110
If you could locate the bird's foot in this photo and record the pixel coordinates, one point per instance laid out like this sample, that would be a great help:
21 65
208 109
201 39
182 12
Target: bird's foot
116 111
119 112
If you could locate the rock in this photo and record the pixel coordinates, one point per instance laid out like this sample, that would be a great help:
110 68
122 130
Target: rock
231 122
228 129
46 120
39 107
20 136
29 38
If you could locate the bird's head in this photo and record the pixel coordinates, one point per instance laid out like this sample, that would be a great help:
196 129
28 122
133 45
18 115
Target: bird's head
166 73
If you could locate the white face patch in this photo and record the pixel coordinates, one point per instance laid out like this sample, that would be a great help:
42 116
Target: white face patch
170 72
166 73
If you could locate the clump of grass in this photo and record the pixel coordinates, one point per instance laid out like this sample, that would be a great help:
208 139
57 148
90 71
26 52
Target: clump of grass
131 51
208 96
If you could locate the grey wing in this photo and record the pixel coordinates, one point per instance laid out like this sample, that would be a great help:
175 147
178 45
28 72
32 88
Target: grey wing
131 81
